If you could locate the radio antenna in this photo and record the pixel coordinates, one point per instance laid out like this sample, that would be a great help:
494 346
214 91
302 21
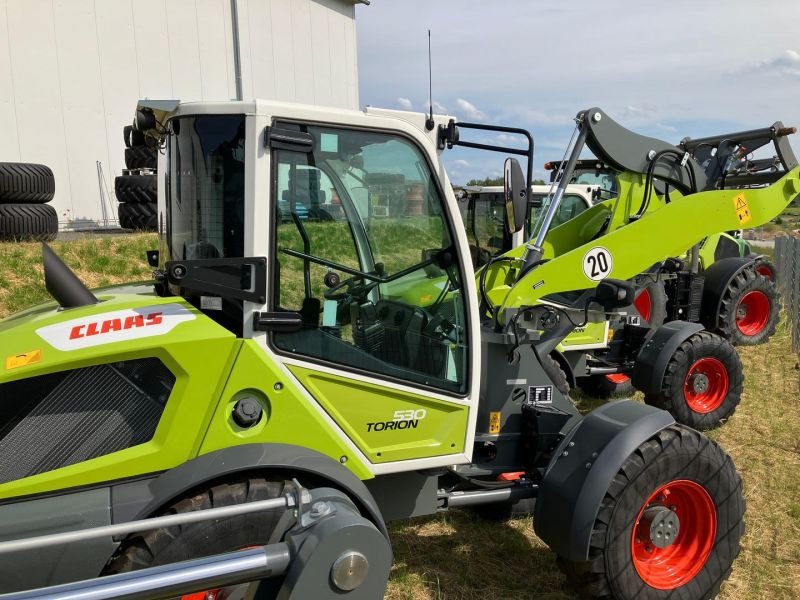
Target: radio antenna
429 124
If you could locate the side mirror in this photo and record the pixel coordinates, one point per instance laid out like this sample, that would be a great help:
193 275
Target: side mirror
515 194
614 293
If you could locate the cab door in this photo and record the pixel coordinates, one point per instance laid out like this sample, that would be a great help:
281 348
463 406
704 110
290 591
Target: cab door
362 249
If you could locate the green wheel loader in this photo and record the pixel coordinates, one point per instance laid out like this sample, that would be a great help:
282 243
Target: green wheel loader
702 381
311 362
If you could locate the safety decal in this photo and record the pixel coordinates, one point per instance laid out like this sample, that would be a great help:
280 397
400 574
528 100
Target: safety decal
597 263
494 422
540 394
117 326
742 210
23 360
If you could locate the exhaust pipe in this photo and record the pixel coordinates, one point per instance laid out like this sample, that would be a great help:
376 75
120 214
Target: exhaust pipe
62 284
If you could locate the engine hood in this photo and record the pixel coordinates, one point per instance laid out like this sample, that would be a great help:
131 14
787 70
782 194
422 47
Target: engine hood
128 319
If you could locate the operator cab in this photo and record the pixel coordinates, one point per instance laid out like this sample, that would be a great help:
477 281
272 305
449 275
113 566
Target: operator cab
362 268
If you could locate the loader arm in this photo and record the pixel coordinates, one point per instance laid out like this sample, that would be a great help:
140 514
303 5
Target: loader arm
688 219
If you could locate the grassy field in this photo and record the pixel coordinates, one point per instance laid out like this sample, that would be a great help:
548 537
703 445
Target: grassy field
456 555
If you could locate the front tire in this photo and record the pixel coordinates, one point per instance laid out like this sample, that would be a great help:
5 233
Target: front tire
603 387
679 480
702 383
205 538
750 309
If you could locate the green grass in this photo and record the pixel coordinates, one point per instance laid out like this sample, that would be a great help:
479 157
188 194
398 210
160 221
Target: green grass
98 261
459 556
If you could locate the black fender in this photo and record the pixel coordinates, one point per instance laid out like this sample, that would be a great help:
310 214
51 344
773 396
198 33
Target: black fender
293 461
716 280
655 354
582 469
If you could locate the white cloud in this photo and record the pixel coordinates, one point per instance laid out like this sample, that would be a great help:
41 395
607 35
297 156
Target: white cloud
505 138
469 111
460 163
787 63
405 103
438 108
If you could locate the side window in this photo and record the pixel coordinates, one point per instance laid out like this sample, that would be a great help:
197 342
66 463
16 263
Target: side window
571 206
311 220
360 251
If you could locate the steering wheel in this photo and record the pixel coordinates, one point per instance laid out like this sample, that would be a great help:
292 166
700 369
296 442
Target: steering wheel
353 287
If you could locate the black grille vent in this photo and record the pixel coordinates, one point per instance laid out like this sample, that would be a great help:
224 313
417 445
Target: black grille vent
61 419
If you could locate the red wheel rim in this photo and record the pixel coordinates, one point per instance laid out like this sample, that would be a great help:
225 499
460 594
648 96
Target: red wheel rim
209 595
752 313
617 378
678 563
216 593
644 304
705 385
764 270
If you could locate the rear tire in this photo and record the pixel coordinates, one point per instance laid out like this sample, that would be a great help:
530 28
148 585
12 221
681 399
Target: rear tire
136 188
26 183
703 382
670 470
750 309
138 216
141 157
28 222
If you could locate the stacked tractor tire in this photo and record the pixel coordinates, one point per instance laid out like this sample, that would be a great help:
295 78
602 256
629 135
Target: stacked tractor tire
137 188
25 190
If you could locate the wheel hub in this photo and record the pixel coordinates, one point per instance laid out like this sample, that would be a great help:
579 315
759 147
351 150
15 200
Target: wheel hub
663 524
700 383
674 534
706 385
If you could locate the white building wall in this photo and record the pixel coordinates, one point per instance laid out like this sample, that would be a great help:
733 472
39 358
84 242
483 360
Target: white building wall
71 72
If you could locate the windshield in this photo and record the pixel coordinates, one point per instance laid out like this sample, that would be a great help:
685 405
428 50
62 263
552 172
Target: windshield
361 245
205 188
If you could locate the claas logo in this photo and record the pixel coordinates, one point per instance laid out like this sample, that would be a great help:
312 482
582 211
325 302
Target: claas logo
109 325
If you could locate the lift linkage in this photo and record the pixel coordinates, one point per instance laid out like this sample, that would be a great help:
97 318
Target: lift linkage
328 551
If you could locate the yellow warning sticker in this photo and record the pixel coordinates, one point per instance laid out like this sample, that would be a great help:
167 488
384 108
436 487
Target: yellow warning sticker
23 360
742 210
494 422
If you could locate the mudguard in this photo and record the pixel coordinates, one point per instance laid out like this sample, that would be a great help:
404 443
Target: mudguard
651 363
717 278
582 469
143 500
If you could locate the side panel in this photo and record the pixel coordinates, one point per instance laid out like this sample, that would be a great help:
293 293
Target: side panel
385 423
288 416
54 564
197 351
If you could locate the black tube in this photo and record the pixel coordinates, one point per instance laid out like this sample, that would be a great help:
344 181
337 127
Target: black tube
62 284
471 498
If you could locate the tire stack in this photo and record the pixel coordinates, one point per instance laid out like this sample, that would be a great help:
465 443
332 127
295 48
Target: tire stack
25 190
137 188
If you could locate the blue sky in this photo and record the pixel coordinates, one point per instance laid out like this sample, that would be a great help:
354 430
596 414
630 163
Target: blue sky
665 69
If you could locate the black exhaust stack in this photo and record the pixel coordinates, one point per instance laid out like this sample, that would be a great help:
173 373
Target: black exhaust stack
62 284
